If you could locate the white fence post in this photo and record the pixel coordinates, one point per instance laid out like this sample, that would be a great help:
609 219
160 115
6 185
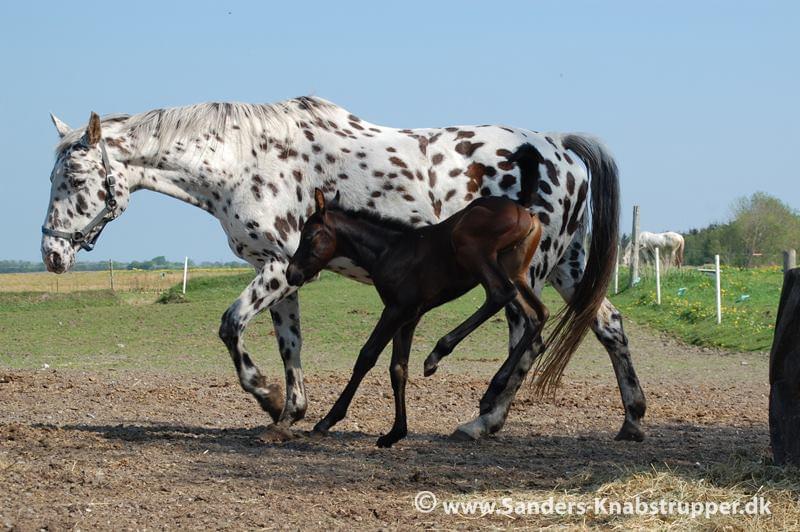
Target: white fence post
185 272
658 278
719 291
616 273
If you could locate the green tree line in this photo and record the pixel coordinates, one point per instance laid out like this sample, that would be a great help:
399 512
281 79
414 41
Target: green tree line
760 228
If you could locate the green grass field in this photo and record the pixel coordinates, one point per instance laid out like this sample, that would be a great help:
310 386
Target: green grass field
101 329
688 309
98 329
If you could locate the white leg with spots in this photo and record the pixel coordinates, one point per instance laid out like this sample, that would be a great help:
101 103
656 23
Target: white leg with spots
496 402
286 319
268 288
609 331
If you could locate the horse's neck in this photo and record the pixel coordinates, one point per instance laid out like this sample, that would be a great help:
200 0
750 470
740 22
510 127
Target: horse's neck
202 171
365 241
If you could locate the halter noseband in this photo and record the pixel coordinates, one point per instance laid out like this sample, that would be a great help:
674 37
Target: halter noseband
104 216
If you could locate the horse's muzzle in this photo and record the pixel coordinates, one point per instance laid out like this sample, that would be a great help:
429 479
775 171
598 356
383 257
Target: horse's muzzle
54 262
294 276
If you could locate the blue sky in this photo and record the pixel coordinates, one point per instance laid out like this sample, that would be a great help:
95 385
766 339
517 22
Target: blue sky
697 100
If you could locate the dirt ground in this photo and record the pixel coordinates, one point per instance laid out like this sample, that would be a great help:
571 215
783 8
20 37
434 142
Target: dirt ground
139 450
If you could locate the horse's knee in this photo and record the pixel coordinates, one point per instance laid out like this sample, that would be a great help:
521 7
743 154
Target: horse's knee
398 372
228 329
544 314
503 295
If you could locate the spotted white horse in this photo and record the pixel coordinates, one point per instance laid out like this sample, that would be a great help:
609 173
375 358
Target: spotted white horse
255 167
670 249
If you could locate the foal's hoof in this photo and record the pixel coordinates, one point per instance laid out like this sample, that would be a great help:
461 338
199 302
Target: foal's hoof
276 433
318 434
630 431
462 436
430 366
387 440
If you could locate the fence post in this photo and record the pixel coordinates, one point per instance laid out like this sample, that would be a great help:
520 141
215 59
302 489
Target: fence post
616 272
658 278
634 247
185 272
111 273
789 260
719 290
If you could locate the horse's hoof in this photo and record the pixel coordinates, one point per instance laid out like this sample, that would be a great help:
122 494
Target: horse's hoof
430 365
430 370
387 440
630 431
318 434
273 401
462 436
276 433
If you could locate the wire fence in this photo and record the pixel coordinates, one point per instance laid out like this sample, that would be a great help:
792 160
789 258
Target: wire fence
150 281
696 257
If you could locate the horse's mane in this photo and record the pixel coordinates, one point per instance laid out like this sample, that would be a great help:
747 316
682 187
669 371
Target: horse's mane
159 128
393 224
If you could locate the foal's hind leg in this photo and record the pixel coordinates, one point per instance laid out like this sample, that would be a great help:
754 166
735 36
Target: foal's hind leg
499 292
496 402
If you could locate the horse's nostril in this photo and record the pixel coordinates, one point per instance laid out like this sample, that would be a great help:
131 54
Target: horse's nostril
55 260
293 276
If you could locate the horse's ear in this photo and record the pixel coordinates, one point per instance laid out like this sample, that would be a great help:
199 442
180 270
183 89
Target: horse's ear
93 129
335 201
61 126
319 199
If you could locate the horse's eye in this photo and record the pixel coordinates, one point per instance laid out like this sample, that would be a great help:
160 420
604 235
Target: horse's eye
77 182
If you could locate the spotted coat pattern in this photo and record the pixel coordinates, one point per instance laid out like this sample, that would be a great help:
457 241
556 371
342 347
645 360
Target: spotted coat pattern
255 169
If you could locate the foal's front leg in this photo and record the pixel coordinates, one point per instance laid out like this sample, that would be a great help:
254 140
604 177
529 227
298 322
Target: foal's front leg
390 321
398 370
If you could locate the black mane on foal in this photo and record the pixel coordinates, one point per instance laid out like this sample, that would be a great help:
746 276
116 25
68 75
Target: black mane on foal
376 218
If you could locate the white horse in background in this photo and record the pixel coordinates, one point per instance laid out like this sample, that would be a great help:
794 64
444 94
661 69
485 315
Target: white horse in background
670 249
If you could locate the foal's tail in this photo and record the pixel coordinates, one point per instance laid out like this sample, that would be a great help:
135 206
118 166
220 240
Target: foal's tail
581 310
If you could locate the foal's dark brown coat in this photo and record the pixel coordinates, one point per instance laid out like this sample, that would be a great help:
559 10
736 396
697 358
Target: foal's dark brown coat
490 242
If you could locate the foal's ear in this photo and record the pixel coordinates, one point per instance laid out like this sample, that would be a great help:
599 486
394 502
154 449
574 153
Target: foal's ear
335 201
319 199
93 129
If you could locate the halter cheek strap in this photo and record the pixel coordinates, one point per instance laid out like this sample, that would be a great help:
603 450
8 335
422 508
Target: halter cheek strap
88 236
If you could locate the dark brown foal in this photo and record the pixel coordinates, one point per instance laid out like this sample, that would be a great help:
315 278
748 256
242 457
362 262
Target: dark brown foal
491 242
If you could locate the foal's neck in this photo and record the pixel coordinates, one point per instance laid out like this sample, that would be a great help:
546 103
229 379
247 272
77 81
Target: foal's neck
364 240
